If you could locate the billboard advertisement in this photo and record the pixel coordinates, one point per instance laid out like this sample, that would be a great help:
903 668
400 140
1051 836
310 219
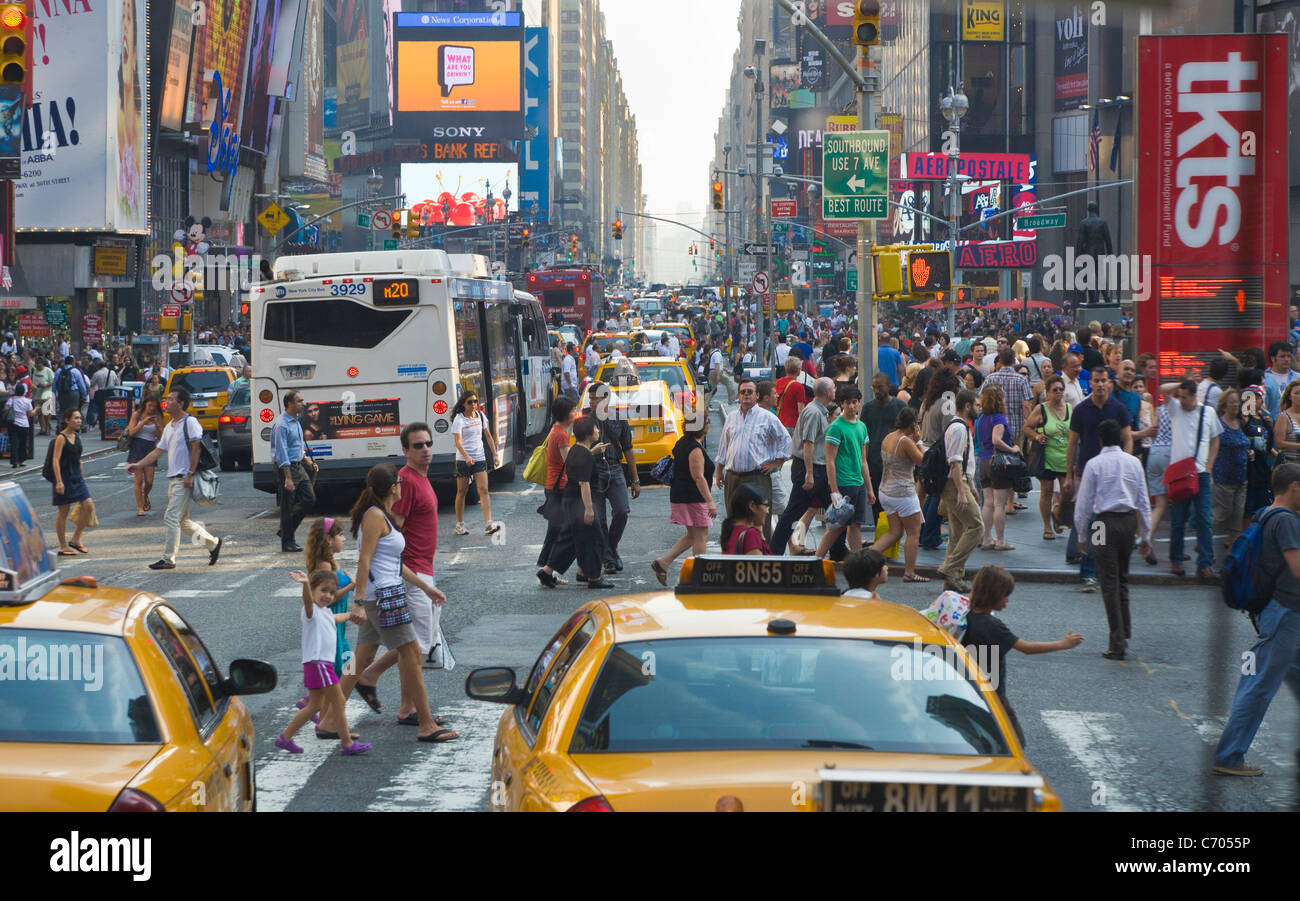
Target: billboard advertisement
459 71
353 65
85 140
1212 217
255 130
472 193
171 114
220 45
535 168
783 77
1071 49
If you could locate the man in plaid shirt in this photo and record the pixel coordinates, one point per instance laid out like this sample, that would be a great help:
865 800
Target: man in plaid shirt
1019 401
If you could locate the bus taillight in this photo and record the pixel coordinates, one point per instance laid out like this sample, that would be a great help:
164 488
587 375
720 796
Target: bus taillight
266 415
439 387
352 372
440 407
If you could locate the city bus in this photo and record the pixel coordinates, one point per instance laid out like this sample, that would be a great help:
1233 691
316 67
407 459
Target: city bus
575 294
375 340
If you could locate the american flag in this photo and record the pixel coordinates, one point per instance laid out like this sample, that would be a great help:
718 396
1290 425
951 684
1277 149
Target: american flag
1094 142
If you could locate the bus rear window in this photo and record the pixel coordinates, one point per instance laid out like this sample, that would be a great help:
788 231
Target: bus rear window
557 298
330 323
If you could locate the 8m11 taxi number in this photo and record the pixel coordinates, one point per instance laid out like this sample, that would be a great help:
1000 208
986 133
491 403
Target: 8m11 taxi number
346 290
898 797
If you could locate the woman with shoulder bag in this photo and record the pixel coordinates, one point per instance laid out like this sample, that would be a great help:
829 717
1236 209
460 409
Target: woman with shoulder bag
1286 431
992 431
1048 428
689 498
381 587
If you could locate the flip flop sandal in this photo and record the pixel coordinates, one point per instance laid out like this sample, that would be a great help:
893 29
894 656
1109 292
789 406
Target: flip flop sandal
67 553
660 573
433 737
413 719
370 695
1049 536
907 578
80 548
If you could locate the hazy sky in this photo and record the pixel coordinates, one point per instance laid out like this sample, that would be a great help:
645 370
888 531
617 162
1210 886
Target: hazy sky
675 58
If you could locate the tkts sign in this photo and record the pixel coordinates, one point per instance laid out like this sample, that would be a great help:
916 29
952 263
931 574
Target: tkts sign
1212 183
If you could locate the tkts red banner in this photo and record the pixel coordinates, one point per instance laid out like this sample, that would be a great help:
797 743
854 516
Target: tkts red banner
1212 195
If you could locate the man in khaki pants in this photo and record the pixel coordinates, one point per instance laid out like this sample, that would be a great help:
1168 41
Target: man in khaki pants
965 525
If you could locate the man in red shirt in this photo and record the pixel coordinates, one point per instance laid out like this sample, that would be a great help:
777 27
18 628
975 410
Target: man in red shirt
791 393
416 514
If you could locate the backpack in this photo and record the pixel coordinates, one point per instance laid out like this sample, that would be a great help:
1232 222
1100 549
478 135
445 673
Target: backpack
1244 586
934 465
64 383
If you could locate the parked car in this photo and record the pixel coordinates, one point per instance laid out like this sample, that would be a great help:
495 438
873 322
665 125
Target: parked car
235 430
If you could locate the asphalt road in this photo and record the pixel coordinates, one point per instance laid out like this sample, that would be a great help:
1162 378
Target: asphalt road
1132 735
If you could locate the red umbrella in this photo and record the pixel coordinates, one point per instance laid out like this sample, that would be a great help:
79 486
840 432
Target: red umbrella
1004 305
929 305
965 306
1042 305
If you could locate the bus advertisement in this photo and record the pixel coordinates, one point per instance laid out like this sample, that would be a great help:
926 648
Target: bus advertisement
575 295
375 341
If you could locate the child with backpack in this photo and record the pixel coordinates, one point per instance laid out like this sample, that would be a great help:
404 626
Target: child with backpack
988 639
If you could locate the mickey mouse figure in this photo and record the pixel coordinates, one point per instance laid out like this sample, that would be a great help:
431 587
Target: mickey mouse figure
194 235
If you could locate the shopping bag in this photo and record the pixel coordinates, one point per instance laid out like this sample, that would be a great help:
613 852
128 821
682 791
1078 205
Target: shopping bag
882 529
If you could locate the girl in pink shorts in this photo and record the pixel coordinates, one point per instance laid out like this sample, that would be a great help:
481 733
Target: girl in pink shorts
319 637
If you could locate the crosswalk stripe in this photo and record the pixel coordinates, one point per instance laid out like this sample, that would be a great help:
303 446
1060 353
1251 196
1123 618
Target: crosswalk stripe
281 775
454 777
1093 739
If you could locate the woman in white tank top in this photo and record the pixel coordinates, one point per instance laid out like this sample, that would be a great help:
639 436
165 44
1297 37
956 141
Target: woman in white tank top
381 584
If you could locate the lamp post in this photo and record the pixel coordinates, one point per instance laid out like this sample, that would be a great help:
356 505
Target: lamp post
753 73
954 106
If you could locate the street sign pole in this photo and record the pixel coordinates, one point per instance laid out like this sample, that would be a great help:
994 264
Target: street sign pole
867 336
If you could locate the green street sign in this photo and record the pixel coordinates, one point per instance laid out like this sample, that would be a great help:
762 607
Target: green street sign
56 314
1043 220
855 175
852 279
363 221
390 244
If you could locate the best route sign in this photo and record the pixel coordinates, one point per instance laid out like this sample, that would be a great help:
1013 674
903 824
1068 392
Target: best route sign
855 173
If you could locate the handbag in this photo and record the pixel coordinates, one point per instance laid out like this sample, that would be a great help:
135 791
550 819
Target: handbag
552 509
1014 468
535 471
662 471
391 602
1181 478
1036 458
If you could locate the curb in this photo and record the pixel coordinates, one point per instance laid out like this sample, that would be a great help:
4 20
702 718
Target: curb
1066 576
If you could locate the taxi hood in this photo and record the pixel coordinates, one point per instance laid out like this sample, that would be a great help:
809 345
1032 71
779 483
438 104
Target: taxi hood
67 777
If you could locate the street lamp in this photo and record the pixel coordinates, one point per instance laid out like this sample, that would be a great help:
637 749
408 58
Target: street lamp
954 107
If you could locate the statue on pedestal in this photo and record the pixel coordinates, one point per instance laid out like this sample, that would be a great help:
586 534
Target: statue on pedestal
1094 241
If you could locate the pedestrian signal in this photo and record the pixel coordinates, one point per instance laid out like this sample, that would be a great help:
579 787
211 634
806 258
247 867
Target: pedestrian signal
929 272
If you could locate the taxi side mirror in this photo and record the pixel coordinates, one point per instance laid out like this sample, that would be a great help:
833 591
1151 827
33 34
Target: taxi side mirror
249 677
495 684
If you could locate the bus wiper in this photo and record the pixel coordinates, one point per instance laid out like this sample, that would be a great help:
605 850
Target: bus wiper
830 743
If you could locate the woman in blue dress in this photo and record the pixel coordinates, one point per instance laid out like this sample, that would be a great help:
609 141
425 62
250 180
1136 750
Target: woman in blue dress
69 484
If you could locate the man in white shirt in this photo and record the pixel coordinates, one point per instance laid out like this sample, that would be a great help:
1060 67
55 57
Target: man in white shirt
1196 430
593 360
617 352
782 351
719 375
569 372
965 525
675 345
1070 375
1113 498
665 347
180 441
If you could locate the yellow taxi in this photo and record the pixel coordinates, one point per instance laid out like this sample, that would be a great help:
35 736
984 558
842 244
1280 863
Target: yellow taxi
209 388
685 336
109 701
754 685
677 373
649 409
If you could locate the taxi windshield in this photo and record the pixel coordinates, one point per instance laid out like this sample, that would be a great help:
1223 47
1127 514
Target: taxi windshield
74 687
742 693
204 381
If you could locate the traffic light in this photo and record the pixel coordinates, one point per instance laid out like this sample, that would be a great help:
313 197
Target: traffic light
412 224
618 229
397 224
527 239
929 272
866 22
15 46
717 194
243 308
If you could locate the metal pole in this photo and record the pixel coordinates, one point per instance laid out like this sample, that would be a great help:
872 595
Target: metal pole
867 336
760 333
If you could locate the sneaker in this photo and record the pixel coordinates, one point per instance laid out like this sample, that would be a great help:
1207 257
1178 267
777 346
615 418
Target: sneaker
162 564
287 744
460 529
357 747
1089 585
1243 769
490 529
216 552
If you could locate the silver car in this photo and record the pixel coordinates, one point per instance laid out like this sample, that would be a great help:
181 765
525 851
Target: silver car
234 429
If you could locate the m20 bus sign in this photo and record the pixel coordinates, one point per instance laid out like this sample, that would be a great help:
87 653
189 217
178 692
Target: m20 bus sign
1212 163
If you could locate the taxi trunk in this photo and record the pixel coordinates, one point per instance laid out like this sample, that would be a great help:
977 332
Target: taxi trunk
790 780
85 777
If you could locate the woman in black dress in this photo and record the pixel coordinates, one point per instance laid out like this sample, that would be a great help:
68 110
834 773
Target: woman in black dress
69 485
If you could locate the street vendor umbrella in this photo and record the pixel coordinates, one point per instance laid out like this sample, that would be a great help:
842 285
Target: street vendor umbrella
1042 305
1005 305
928 305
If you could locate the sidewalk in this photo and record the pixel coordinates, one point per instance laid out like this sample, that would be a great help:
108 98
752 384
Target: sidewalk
92 448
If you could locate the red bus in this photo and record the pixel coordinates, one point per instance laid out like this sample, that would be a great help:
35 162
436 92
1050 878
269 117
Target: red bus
575 295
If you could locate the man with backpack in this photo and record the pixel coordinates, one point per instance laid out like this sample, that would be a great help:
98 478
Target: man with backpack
70 386
957 498
182 441
1275 604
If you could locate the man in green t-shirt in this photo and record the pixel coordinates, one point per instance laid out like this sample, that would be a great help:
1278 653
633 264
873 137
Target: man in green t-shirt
846 462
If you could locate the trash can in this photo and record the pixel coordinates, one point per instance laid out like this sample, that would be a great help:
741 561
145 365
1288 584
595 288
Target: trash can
119 401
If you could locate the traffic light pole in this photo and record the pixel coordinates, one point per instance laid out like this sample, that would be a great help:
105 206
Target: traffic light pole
867 335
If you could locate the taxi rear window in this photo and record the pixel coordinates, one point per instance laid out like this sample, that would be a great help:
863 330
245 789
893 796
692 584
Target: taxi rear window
72 687
741 693
207 381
